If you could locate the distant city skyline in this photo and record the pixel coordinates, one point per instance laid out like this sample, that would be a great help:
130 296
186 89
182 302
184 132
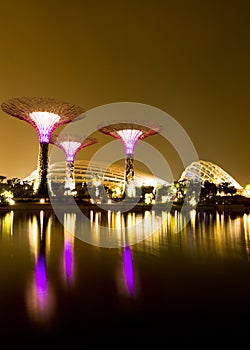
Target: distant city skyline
190 61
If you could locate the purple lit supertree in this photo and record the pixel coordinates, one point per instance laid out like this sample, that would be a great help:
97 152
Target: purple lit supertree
129 134
71 144
45 115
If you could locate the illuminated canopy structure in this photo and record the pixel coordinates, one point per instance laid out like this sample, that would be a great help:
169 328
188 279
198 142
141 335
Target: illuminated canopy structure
45 115
206 171
70 145
129 134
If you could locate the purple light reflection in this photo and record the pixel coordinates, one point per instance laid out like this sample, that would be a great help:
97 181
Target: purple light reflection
68 260
128 269
41 279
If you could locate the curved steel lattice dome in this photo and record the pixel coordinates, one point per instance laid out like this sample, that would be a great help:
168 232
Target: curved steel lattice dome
109 175
206 171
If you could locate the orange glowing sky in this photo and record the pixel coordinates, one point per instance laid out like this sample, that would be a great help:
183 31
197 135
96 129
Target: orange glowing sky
189 59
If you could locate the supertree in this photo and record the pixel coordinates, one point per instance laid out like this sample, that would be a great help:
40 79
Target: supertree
45 115
129 134
71 144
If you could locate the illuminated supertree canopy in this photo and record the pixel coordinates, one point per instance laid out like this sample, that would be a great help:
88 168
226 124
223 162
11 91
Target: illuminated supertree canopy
129 134
45 115
70 145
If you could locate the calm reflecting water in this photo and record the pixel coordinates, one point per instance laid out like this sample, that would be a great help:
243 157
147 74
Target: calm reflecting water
189 275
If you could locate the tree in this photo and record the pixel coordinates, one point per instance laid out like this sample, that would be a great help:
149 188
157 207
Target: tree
227 189
2 178
180 189
193 192
208 190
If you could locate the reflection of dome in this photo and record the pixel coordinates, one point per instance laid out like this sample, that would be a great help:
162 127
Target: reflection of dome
85 172
207 171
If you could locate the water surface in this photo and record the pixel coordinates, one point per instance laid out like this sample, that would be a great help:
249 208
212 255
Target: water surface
189 275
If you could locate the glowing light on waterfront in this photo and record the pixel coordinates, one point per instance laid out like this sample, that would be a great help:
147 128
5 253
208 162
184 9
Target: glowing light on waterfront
8 197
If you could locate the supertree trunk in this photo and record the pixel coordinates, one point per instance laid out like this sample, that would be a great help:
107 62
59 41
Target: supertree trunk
70 178
129 176
42 190
129 134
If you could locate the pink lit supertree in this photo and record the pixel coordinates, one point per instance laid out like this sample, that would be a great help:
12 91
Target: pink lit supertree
45 115
129 134
70 145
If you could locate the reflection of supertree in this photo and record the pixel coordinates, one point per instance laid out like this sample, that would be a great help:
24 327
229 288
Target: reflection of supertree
45 115
129 134
71 144
69 229
40 270
40 295
68 258
41 281
128 270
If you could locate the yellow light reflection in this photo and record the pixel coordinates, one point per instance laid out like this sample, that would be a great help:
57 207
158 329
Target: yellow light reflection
34 233
246 225
8 222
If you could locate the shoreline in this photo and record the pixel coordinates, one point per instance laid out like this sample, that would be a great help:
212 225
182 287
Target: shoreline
126 207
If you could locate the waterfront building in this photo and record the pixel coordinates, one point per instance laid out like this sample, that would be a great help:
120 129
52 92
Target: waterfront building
203 171
112 176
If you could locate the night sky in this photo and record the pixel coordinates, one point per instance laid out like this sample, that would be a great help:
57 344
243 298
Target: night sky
190 59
